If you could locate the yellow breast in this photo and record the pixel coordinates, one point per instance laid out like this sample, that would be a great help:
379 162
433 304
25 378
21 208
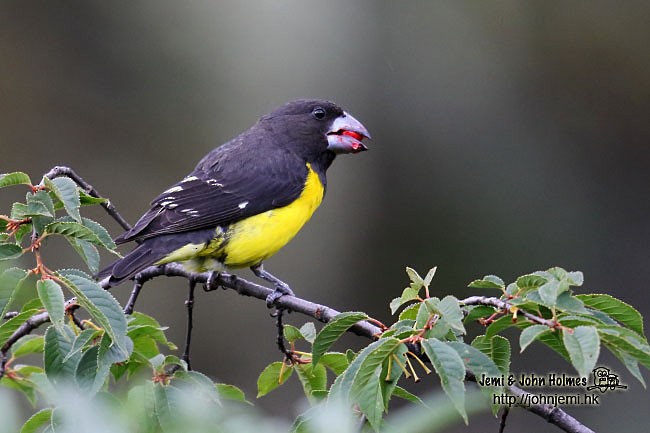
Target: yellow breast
257 238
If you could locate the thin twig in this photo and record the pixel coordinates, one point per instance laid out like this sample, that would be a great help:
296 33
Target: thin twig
59 171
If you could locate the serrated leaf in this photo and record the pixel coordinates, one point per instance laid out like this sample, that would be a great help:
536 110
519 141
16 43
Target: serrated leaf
481 366
410 312
627 341
567 302
73 230
274 375
57 346
451 370
429 277
98 230
332 331
414 276
408 294
10 281
450 311
88 252
100 304
36 421
530 281
291 333
15 178
89 200
10 326
629 362
80 342
30 209
10 251
27 345
549 291
400 392
488 282
231 392
531 334
360 382
335 361
497 348
618 310
66 191
51 295
583 346
201 385
308 330
313 379
499 325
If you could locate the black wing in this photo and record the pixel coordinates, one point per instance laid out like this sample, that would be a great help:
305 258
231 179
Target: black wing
231 183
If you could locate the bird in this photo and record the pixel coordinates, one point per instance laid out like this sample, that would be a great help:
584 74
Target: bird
245 199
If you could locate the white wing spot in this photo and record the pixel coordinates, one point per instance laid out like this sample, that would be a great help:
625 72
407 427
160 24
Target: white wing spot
243 204
173 189
190 212
166 203
213 182
189 179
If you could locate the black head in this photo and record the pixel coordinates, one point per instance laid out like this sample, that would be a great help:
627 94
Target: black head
316 126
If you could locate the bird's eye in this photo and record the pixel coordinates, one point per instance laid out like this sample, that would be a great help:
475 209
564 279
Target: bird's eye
318 113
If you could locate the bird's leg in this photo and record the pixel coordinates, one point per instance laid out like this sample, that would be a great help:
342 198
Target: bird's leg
281 288
189 304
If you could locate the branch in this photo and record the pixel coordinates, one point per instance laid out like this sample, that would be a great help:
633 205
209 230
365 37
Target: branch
323 313
59 171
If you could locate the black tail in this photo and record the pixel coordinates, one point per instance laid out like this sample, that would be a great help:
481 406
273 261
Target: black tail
143 256
149 252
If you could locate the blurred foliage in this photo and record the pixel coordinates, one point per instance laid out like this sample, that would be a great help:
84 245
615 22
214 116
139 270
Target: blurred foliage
83 361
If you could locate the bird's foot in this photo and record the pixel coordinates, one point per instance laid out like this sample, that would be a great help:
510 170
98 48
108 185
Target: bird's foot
281 289
213 282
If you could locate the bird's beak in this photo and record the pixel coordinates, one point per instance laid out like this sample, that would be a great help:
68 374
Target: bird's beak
345 135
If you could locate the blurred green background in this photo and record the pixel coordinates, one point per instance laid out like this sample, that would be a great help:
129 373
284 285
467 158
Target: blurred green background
508 137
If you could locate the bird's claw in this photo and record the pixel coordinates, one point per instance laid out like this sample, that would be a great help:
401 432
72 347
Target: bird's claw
280 291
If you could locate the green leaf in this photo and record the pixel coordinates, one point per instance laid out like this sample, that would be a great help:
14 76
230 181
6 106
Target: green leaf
451 369
429 276
10 281
88 252
36 421
410 312
335 361
477 312
201 386
89 200
100 232
100 304
10 251
531 334
31 208
27 345
332 331
499 325
73 230
488 282
583 345
313 379
618 310
51 295
274 375
15 178
414 276
360 383
57 346
66 191
80 342
627 341
291 333
530 281
567 302
450 311
409 294
481 366
10 326
406 395
497 348
308 331
232 393
629 362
